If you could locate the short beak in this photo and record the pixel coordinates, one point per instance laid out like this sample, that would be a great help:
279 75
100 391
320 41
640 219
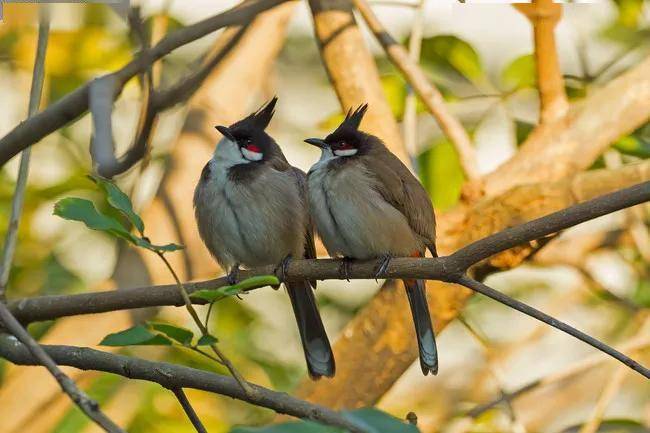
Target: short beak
225 132
316 142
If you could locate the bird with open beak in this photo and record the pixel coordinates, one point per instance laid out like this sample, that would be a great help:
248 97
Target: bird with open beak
367 204
251 209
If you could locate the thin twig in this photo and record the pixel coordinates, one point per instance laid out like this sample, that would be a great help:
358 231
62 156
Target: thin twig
173 376
38 75
189 410
427 92
410 122
533 312
204 330
40 356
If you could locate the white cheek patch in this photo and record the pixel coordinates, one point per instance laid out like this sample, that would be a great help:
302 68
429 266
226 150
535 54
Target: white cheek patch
345 152
250 155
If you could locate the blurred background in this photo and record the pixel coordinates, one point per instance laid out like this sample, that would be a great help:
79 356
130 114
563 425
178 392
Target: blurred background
595 276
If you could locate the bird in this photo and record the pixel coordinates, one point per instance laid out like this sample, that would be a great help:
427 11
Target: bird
366 204
251 209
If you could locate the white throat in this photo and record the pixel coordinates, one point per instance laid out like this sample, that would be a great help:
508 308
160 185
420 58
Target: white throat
250 155
345 152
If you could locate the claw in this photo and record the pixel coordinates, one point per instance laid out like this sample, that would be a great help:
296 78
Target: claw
382 265
233 275
283 268
345 269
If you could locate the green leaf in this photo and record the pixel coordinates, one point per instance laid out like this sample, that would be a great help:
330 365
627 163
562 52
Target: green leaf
144 243
523 130
79 209
212 295
520 73
441 174
178 334
377 421
135 336
636 144
449 54
207 340
119 201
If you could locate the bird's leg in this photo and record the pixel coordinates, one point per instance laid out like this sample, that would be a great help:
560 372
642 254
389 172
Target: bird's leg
382 265
233 275
344 268
282 269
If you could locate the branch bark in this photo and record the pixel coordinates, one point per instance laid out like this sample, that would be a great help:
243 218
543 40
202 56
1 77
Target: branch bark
189 410
174 376
427 92
76 103
544 16
572 143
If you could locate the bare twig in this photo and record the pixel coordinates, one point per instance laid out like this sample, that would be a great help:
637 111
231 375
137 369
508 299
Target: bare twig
427 92
189 410
543 317
544 16
76 103
451 269
173 376
40 357
410 121
23 171
204 330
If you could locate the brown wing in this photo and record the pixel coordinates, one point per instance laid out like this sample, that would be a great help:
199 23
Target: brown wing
402 190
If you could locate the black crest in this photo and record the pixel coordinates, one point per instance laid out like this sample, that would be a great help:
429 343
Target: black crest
259 119
353 118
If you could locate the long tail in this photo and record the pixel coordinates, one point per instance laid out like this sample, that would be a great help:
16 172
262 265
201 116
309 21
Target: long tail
316 345
415 290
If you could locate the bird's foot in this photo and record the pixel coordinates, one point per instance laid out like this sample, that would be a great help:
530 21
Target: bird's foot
382 265
282 269
345 268
233 275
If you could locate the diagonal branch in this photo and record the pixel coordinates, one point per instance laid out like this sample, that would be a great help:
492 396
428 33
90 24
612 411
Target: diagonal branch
175 376
543 317
40 357
76 103
544 16
427 92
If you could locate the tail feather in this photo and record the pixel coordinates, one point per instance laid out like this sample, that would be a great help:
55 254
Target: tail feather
415 290
316 345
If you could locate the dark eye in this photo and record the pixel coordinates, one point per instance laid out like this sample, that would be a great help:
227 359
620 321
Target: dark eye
342 145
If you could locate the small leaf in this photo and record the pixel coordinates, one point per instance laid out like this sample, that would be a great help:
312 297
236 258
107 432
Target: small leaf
79 209
119 201
520 73
636 144
376 421
145 243
212 295
451 55
178 334
135 336
207 340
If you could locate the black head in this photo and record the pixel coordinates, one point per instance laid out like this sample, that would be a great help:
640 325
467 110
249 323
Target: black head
254 143
346 140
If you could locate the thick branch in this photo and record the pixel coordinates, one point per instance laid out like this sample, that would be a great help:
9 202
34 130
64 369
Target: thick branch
427 92
175 376
544 16
75 103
